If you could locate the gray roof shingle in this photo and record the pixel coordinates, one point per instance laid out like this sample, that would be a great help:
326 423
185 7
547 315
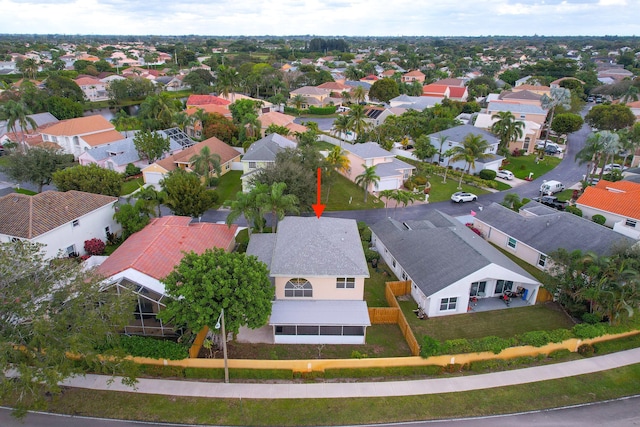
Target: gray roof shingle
265 149
548 230
439 250
458 133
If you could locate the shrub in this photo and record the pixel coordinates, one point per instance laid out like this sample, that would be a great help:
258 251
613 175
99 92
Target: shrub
574 210
430 346
586 350
460 345
419 180
370 254
559 335
322 111
355 354
535 338
153 348
94 246
559 354
213 181
131 170
365 235
487 174
585 330
591 318
492 344
599 219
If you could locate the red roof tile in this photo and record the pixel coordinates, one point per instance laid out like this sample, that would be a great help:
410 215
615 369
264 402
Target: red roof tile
160 246
205 100
620 198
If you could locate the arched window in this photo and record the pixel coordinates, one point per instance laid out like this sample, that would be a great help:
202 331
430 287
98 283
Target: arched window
298 288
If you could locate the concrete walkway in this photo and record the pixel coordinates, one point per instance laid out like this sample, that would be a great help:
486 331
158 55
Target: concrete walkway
341 390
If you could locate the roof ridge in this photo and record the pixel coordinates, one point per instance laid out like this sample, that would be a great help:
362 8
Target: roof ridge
30 231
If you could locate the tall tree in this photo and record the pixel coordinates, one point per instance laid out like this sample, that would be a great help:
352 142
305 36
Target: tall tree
567 123
18 121
473 147
423 149
157 111
201 286
357 120
278 202
250 206
151 145
506 128
205 163
337 161
366 178
384 89
50 309
560 97
611 117
91 179
186 195
591 153
227 80
36 165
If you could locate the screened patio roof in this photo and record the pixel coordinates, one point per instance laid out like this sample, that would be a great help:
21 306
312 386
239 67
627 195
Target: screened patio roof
320 312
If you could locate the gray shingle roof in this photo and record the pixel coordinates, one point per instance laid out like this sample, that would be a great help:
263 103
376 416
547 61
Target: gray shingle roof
367 150
265 149
458 133
439 250
124 151
310 246
548 230
392 168
515 108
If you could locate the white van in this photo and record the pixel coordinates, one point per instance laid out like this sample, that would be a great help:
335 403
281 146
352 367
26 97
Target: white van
551 187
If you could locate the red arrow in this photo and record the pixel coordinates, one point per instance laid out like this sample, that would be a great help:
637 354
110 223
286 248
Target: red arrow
318 207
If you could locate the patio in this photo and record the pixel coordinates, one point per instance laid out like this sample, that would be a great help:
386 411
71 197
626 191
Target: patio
496 303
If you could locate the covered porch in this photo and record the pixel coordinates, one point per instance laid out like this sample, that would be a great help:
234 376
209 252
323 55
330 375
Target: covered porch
495 303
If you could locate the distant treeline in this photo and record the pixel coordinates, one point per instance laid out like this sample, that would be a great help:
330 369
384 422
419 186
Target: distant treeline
327 45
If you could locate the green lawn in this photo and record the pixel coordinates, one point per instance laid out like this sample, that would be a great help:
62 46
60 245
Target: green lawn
374 286
442 191
345 195
521 166
129 187
229 185
24 191
501 323
285 412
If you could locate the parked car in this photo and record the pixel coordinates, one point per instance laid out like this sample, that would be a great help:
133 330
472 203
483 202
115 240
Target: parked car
541 145
552 201
505 174
551 149
611 166
590 99
462 196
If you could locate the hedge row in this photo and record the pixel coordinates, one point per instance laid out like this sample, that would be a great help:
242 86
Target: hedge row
433 347
153 348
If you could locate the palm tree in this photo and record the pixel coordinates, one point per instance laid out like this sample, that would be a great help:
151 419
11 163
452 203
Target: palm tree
610 146
441 140
156 112
357 122
124 121
346 97
386 195
473 147
511 200
366 178
336 160
559 97
298 101
205 163
340 126
359 94
279 203
591 153
17 116
447 154
629 141
227 81
506 128
152 198
630 95
249 206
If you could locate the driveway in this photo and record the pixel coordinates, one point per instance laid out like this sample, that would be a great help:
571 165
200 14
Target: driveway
323 124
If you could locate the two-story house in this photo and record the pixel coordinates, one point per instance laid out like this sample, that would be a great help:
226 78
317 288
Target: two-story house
318 268
452 137
93 88
260 155
75 136
391 171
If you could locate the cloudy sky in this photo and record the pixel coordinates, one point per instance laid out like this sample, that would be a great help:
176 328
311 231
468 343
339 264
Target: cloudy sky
322 17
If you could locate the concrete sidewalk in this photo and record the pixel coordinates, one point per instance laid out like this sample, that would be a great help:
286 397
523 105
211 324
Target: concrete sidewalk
376 389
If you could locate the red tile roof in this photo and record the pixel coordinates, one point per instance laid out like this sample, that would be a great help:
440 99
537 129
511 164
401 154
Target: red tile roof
222 149
457 92
30 216
434 88
160 246
620 198
80 126
205 100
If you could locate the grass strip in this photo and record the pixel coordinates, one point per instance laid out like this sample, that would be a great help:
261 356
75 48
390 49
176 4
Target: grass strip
286 412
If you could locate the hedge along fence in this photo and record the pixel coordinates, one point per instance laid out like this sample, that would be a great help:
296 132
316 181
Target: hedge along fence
320 365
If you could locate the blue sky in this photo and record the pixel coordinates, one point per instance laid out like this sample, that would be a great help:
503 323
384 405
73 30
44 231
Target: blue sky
323 18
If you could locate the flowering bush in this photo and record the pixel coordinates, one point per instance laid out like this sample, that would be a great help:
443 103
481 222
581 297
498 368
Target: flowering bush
94 246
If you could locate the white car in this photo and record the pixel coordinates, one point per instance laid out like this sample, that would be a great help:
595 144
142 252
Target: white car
505 174
462 196
559 148
612 166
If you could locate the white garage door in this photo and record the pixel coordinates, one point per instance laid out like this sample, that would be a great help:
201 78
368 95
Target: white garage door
152 177
387 184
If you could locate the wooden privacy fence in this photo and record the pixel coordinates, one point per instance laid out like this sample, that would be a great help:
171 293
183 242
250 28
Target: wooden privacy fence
392 291
543 295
